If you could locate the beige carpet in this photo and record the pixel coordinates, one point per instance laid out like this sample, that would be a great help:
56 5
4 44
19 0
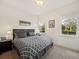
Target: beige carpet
53 53
60 53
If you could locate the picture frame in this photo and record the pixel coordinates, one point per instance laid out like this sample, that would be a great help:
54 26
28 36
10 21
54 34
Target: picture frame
69 26
24 23
51 23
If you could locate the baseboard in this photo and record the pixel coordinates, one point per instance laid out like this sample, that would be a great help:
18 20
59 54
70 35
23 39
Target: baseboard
77 51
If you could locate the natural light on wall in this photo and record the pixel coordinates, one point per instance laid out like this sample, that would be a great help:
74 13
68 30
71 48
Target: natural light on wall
39 2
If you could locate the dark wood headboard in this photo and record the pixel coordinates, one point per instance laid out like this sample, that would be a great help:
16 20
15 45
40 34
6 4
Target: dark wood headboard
22 31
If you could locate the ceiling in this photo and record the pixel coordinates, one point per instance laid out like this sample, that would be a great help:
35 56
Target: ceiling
30 7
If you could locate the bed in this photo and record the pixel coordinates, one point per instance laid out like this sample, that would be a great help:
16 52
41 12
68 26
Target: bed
29 45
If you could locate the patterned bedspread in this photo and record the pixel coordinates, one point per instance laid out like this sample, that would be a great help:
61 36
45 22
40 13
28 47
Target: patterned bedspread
33 47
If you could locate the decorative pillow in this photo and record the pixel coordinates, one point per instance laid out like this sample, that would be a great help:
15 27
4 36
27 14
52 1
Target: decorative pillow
20 35
31 33
38 34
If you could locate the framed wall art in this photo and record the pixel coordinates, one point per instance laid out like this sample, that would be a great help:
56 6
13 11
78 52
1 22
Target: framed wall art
24 23
69 26
51 23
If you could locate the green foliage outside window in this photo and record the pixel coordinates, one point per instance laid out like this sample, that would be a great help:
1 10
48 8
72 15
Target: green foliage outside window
42 28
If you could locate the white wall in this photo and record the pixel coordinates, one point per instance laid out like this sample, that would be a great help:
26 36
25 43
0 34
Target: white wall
68 11
10 16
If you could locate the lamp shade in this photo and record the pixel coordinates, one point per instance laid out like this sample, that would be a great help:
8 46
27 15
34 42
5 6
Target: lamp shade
9 35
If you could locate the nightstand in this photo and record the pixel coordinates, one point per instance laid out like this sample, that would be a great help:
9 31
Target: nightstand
5 45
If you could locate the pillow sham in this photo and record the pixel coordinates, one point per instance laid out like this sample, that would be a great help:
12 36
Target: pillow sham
20 35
